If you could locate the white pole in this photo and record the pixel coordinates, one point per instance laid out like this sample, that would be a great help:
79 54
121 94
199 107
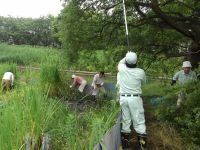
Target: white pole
125 20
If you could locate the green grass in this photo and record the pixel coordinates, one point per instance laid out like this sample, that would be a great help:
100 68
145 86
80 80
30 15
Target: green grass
30 56
24 112
155 88
27 111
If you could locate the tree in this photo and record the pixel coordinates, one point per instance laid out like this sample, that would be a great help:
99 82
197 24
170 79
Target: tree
78 29
27 31
170 27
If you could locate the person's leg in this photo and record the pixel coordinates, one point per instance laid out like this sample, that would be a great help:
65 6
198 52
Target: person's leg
137 115
3 85
82 86
95 91
142 141
6 85
9 85
179 100
126 123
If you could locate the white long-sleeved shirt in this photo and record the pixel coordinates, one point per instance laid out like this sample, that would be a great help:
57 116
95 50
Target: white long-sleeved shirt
8 76
130 80
117 84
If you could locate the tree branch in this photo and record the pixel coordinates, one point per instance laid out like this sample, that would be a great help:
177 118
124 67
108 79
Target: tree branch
169 20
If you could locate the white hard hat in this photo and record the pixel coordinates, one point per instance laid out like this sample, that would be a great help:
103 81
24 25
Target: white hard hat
187 64
131 58
73 76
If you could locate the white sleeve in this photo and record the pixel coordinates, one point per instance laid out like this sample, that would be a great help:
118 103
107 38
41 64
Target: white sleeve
117 84
94 80
123 61
121 64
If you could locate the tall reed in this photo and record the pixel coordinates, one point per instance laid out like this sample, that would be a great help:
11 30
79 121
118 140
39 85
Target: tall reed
26 114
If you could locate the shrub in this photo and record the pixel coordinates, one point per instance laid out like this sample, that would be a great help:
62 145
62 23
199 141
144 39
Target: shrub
186 118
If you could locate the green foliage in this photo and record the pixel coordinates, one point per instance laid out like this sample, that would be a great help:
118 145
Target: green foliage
82 131
26 112
101 60
108 60
101 125
90 26
28 55
155 88
8 67
79 29
27 31
186 117
50 79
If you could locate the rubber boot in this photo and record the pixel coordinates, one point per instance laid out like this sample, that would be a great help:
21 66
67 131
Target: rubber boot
125 137
142 142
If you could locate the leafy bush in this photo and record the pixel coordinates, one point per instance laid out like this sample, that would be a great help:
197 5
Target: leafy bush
186 118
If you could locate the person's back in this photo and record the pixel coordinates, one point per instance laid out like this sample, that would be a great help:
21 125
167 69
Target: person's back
7 81
131 80
78 81
8 76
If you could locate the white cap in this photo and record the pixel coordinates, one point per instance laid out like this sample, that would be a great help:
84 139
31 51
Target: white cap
131 58
73 76
187 64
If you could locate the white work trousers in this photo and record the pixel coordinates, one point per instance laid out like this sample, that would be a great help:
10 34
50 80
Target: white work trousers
82 86
132 110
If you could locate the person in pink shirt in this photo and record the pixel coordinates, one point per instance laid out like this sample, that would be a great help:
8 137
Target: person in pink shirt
78 81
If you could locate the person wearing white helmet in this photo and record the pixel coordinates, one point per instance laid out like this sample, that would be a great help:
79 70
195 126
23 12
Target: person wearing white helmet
130 80
182 77
7 81
78 81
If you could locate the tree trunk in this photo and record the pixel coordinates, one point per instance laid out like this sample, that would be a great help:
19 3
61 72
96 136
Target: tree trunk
194 57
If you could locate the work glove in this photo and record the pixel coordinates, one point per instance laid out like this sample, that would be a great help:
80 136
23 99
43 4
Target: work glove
173 82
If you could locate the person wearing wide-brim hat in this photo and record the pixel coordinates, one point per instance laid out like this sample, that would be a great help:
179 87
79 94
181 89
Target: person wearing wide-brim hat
182 77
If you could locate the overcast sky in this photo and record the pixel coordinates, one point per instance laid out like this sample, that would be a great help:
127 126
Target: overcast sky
30 8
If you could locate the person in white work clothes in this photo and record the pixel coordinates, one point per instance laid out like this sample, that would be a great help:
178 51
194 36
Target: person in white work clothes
182 77
7 81
130 80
